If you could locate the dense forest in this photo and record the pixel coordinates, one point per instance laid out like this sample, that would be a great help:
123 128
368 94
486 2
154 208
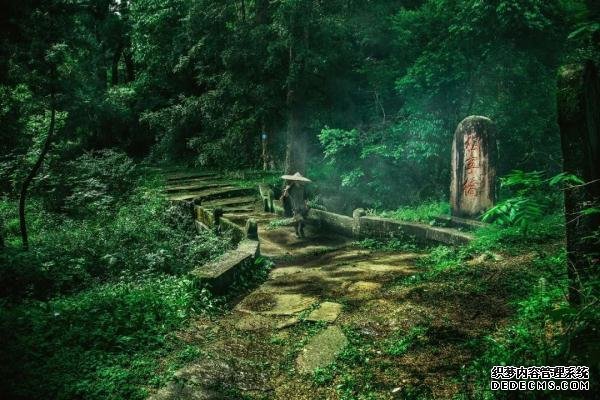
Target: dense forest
100 100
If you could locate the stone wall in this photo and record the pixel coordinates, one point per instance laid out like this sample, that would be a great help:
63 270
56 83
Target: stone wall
361 226
220 274
382 228
335 222
206 220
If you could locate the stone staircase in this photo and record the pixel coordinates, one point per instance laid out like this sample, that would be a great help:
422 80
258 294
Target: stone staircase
211 191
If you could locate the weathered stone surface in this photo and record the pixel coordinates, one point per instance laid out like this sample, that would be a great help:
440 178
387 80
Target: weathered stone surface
207 218
378 227
465 223
220 273
287 323
267 196
211 193
474 159
195 381
251 229
327 312
190 175
194 186
364 287
341 224
356 215
276 304
232 201
254 322
321 350
278 272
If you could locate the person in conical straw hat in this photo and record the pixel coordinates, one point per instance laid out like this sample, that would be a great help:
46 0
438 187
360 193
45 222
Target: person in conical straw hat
293 198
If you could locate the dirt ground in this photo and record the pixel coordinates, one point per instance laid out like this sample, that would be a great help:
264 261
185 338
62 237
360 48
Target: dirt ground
399 335
334 321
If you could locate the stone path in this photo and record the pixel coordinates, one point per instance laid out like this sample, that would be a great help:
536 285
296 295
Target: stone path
319 285
212 191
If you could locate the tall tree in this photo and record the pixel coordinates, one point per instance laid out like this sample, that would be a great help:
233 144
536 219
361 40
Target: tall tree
33 172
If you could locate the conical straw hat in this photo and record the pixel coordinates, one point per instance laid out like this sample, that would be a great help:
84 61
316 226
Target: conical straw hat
296 177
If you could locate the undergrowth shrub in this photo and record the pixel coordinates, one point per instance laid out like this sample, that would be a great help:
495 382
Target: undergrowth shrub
424 212
145 235
95 181
94 305
97 344
535 336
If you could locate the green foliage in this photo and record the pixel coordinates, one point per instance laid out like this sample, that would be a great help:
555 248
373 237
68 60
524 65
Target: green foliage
518 211
404 243
424 212
379 86
252 274
324 376
94 181
533 198
89 310
145 235
278 223
401 343
534 337
98 344
386 166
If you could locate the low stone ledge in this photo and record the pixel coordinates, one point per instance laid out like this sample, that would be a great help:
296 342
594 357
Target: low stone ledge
205 218
326 219
452 221
378 227
220 274
335 222
382 228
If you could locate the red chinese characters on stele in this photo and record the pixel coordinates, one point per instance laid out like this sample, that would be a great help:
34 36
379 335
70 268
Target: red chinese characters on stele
472 181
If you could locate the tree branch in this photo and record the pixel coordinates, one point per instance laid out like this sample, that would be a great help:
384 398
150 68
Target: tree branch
33 173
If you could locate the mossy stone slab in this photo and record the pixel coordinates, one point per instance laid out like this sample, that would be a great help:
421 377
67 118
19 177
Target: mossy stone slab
321 350
276 304
327 312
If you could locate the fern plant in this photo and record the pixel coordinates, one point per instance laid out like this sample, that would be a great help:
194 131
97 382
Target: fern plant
533 197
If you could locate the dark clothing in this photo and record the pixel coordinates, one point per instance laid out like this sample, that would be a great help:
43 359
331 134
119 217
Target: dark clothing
294 195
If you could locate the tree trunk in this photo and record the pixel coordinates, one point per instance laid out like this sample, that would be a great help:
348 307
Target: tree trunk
594 9
261 14
115 64
578 101
33 173
295 152
129 66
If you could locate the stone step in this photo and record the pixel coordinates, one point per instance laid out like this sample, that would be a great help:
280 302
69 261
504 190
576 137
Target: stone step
238 218
198 181
211 194
194 187
321 350
238 213
227 194
180 176
232 201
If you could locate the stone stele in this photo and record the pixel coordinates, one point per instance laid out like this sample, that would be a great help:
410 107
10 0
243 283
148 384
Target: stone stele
474 159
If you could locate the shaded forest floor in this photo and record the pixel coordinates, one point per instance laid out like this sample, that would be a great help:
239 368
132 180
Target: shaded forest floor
103 306
342 320
406 335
